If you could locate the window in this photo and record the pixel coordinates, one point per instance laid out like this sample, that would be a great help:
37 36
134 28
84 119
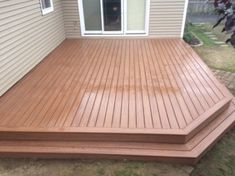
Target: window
136 15
47 6
92 15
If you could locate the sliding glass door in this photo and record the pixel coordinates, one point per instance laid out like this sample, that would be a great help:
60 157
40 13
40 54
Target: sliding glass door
113 17
92 16
135 16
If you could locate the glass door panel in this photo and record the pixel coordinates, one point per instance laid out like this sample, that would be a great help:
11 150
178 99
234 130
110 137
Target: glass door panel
92 15
136 12
112 15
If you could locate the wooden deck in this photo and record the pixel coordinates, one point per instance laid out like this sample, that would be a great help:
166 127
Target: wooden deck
149 90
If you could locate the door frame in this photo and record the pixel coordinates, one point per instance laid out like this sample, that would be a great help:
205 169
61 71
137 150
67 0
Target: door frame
123 31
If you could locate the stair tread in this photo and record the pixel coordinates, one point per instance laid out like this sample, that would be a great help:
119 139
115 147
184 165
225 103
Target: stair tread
192 150
117 134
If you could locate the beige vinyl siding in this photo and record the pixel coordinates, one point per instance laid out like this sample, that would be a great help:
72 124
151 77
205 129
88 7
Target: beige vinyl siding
26 37
71 18
165 19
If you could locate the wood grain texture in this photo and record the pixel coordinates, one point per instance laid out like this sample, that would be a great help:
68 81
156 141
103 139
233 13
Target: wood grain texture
188 153
122 86
148 99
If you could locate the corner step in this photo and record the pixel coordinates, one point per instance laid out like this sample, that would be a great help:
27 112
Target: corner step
188 153
174 136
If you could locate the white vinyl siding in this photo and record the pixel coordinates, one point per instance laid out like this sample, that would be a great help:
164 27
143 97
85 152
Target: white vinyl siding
26 37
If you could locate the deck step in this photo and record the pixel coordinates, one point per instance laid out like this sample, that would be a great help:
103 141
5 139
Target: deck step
174 136
188 153
179 136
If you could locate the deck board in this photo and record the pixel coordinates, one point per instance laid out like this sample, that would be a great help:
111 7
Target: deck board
114 83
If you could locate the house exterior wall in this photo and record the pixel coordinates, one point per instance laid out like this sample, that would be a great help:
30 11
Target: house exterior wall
165 20
26 37
71 18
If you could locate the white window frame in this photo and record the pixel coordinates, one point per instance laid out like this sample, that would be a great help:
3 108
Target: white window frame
184 18
47 10
123 31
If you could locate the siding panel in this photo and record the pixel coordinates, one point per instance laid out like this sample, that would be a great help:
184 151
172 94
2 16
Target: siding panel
26 37
71 18
166 18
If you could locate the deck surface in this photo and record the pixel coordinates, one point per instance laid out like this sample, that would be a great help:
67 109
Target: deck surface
114 83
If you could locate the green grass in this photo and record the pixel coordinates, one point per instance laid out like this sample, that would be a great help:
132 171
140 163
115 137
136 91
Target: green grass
199 32
56 167
188 37
215 56
216 31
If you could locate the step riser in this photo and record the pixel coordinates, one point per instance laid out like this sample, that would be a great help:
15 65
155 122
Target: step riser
218 138
50 136
170 138
207 121
188 153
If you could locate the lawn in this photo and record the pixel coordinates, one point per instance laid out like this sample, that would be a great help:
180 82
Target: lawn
30 167
215 56
222 58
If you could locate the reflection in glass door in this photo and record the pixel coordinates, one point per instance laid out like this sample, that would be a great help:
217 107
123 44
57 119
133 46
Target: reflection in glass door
112 15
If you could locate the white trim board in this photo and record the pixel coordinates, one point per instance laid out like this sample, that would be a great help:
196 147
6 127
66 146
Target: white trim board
184 18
